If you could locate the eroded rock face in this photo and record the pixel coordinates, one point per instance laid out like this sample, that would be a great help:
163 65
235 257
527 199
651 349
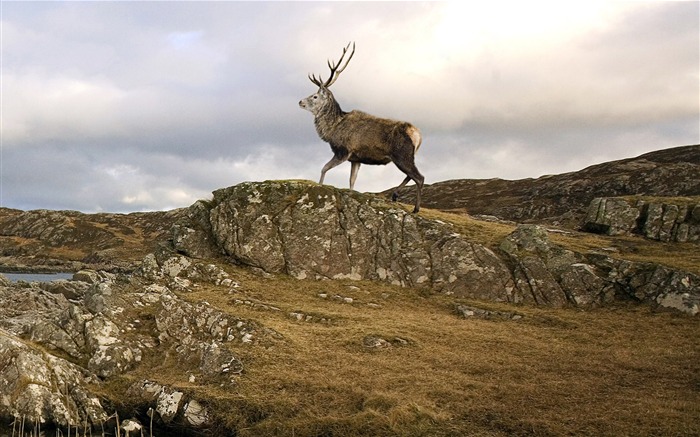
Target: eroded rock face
43 387
657 220
546 274
102 330
312 231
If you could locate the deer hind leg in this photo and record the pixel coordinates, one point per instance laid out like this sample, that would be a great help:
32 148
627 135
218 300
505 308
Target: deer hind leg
334 162
395 194
409 167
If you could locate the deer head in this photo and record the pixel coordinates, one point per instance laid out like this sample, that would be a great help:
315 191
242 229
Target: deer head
323 97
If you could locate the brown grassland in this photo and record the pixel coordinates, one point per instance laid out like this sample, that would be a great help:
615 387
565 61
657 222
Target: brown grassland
623 370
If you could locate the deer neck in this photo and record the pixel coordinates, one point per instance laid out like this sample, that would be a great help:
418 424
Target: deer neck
327 119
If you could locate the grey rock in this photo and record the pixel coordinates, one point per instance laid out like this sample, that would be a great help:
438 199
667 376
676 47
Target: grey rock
663 221
546 274
43 387
43 317
217 360
374 342
172 405
312 231
169 403
538 265
196 414
70 289
611 216
472 312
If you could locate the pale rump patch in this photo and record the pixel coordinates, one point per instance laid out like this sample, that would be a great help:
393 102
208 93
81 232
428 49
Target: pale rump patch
416 138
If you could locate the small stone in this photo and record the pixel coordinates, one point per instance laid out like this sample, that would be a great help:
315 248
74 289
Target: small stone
131 425
374 342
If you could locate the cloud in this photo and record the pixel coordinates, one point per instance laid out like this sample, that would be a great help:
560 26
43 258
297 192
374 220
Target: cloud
122 106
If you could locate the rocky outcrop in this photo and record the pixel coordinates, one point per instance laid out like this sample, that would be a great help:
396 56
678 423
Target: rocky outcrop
55 352
670 219
547 274
43 387
60 342
69 240
311 231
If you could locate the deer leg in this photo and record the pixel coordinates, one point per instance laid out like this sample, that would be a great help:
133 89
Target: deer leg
353 174
334 162
395 194
409 167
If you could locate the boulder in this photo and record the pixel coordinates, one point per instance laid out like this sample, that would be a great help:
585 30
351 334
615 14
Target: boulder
675 219
611 216
170 404
50 319
545 273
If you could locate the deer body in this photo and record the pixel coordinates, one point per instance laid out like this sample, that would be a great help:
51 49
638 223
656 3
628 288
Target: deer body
362 138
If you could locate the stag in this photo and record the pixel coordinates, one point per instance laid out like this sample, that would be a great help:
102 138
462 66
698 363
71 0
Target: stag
362 138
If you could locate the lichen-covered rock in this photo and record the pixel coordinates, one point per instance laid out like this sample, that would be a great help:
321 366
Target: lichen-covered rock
193 236
670 220
70 289
538 266
611 216
110 353
547 274
44 388
195 413
217 361
651 283
170 404
50 319
193 326
312 231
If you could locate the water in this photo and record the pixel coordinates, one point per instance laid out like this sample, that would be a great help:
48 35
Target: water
39 277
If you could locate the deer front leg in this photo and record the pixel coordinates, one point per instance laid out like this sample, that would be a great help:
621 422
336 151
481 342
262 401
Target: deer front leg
334 162
353 174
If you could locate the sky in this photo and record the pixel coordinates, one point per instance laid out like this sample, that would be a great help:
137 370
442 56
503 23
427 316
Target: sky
142 106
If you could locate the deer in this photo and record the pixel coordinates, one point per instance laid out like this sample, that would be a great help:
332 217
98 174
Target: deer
362 138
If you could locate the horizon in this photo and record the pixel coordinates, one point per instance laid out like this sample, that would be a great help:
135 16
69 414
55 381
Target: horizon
345 188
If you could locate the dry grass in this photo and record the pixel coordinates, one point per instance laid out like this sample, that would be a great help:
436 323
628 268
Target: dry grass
616 371
682 256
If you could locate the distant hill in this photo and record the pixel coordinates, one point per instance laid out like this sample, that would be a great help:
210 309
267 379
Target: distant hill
563 199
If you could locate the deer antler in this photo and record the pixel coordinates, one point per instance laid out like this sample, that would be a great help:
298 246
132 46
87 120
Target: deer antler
335 72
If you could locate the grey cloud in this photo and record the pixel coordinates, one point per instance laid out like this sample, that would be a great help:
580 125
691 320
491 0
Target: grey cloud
130 106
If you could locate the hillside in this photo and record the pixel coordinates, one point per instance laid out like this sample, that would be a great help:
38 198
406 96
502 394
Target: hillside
43 240
290 308
564 198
